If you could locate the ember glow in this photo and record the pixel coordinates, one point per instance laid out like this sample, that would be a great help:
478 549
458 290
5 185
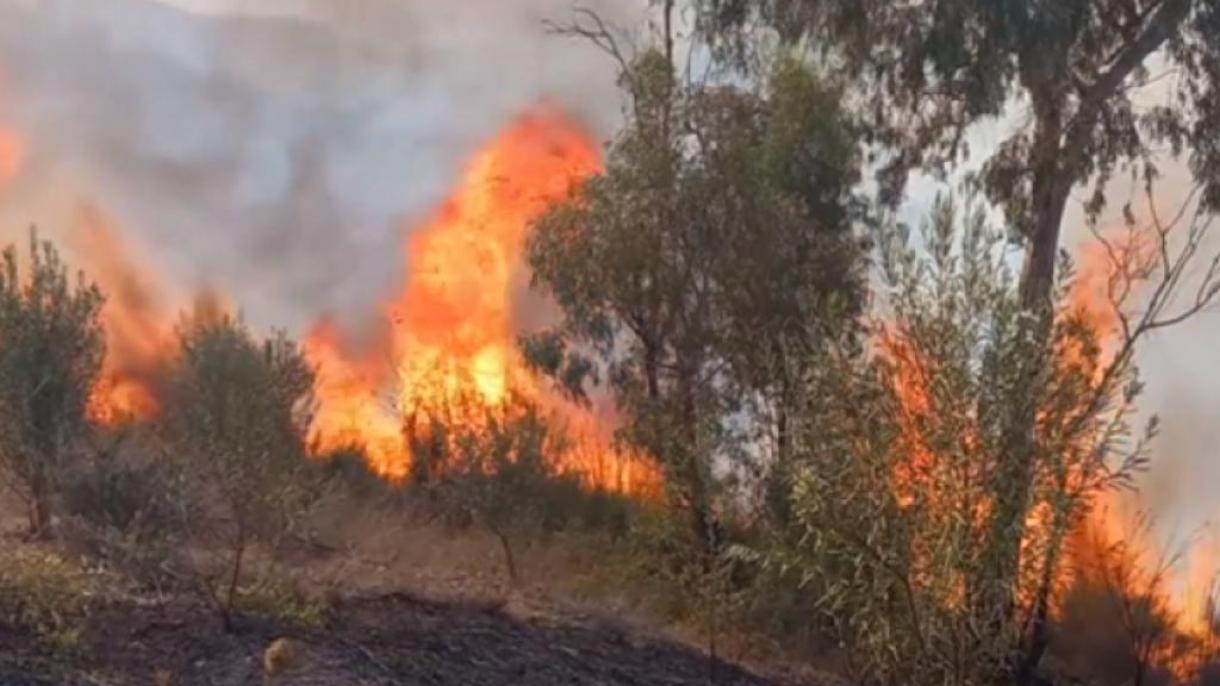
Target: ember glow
451 336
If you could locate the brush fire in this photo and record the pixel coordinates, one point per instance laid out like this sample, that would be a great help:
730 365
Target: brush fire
1111 550
449 337
446 345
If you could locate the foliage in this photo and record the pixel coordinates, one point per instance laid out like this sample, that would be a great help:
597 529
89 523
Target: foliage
51 350
498 467
123 509
125 494
44 593
927 71
280 601
1075 73
899 463
234 427
723 218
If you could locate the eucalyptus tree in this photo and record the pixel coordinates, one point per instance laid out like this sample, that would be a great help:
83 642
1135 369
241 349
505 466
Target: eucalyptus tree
691 272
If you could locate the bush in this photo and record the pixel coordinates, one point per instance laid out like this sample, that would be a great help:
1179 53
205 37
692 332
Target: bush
280 601
498 467
51 350
42 592
235 420
349 469
136 499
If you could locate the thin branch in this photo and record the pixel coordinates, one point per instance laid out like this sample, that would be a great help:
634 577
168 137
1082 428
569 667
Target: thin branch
589 26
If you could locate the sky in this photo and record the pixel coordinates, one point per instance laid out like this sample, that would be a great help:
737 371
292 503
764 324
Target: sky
276 149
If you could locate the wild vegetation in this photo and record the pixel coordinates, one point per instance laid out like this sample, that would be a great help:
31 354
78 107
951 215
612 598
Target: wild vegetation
881 450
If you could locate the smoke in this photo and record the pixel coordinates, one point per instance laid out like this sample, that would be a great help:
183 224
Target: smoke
276 154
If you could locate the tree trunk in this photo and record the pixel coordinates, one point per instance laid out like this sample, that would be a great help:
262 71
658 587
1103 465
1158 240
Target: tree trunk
226 610
696 489
510 562
39 510
1013 479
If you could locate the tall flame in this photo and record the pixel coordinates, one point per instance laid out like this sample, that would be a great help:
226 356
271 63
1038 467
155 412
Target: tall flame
137 322
354 409
453 321
452 334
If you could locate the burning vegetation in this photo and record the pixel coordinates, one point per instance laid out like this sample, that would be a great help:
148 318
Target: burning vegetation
448 350
708 350
450 347
445 386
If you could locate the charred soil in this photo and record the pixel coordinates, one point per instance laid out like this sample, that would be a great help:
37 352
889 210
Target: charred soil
383 640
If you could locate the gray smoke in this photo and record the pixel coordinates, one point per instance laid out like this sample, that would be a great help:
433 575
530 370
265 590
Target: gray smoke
276 154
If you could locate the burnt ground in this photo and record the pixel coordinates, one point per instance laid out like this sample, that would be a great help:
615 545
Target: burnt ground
371 641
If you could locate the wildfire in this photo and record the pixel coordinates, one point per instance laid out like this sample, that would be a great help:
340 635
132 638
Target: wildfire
452 335
1184 580
12 152
352 408
137 322
1105 549
453 322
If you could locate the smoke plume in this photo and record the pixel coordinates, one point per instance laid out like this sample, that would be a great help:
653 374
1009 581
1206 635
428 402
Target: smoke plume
275 154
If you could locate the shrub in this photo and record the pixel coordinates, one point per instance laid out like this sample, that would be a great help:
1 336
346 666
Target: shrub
281 601
234 424
42 592
51 350
133 498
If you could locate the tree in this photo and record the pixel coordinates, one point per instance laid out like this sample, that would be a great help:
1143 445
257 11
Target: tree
926 72
235 421
497 466
900 453
51 350
723 216
895 465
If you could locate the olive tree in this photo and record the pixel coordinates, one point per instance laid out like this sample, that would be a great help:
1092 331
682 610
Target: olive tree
234 422
51 350
897 470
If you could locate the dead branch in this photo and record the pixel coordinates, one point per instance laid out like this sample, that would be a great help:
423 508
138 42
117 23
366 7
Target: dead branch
590 26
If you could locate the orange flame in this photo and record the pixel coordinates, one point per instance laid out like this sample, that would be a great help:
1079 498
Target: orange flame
454 320
12 153
138 325
452 335
351 411
1188 588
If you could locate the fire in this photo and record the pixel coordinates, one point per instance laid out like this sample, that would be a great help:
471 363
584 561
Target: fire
137 322
454 327
452 334
1185 586
12 153
351 411
1185 580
